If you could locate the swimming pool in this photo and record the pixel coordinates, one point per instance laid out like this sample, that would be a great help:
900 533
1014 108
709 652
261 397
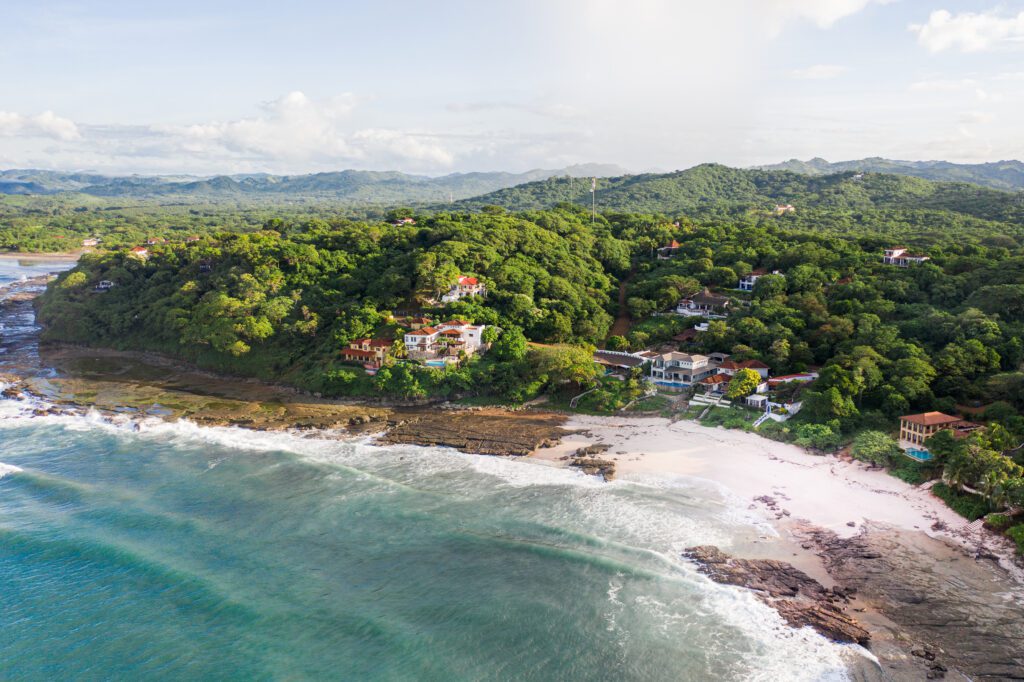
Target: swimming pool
919 455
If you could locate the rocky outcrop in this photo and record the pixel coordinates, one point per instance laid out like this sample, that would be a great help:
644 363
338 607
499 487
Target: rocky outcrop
487 432
585 460
800 599
946 610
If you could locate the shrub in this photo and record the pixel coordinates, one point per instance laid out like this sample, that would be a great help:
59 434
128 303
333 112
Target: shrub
971 507
998 522
1017 535
818 436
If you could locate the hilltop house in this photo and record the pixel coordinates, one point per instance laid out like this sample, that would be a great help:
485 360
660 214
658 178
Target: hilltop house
899 257
704 304
747 283
444 342
404 221
465 286
92 241
781 209
192 238
669 250
153 241
802 377
140 252
104 285
370 353
916 428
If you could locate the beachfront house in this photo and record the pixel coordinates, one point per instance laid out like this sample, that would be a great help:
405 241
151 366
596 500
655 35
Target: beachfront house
899 257
619 363
915 429
704 304
666 252
747 283
442 344
370 353
681 369
465 286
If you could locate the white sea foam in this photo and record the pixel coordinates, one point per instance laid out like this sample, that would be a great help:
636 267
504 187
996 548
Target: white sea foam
6 469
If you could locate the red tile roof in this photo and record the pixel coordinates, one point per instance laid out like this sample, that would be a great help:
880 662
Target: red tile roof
929 418
357 353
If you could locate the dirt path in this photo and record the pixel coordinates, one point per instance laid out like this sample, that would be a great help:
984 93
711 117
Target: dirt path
622 320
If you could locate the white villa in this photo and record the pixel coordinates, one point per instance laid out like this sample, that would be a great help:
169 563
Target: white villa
444 342
466 286
747 283
899 257
682 369
704 304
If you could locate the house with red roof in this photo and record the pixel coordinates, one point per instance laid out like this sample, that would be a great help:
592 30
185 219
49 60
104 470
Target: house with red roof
140 252
465 286
666 252
445 342
370 353
901 258
915 429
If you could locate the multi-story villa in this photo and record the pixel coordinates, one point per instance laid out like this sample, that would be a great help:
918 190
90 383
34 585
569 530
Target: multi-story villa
682 369
466 286
444 342
915 429
370 353
747 283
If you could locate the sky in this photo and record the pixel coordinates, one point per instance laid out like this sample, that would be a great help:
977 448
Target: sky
207 87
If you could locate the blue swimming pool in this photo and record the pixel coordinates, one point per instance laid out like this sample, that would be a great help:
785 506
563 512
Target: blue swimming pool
919 455
435 363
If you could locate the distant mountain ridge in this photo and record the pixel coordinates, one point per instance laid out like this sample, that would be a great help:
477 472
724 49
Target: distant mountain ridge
352 186
1004 175
712 189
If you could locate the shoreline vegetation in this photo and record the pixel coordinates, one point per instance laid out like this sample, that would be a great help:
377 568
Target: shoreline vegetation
848 558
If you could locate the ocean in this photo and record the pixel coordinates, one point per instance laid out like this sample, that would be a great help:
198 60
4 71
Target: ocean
150 550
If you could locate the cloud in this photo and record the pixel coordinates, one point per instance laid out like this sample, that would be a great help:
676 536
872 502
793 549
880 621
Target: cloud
46 124
818 72
822 13
547 110
953 86
970 32
975 118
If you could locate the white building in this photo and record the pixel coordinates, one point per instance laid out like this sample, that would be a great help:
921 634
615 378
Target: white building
899 257
445 341
747 283
682 369
703 304
466 286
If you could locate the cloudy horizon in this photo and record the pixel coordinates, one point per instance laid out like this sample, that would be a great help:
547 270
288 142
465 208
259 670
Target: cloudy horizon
193 88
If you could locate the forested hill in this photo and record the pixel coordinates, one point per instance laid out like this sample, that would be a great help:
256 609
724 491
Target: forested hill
347 186
718 190
1006 175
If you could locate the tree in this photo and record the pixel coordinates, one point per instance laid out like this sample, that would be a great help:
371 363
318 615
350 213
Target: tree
617 343
75 280
565 364
742 384
875 447
510 346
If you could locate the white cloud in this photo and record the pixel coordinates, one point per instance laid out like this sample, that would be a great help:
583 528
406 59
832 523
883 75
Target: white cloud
822 13
976 118
46 124
970 31
819 72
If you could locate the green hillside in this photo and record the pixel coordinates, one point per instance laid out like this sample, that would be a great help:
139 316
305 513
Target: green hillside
1005 175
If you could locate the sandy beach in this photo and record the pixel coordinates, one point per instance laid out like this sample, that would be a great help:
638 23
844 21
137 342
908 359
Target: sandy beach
929 583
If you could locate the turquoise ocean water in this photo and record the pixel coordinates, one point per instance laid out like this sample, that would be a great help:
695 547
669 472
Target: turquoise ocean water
152 550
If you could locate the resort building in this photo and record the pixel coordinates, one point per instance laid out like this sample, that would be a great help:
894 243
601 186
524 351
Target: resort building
442 344
747 283
666 252
370 353
704 304
915 429
466 286
899 257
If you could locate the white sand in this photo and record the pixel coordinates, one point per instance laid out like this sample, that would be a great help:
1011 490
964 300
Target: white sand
823 490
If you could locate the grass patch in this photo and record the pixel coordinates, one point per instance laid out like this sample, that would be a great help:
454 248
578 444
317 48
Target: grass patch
1017 535
655 403
998 522
971 507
